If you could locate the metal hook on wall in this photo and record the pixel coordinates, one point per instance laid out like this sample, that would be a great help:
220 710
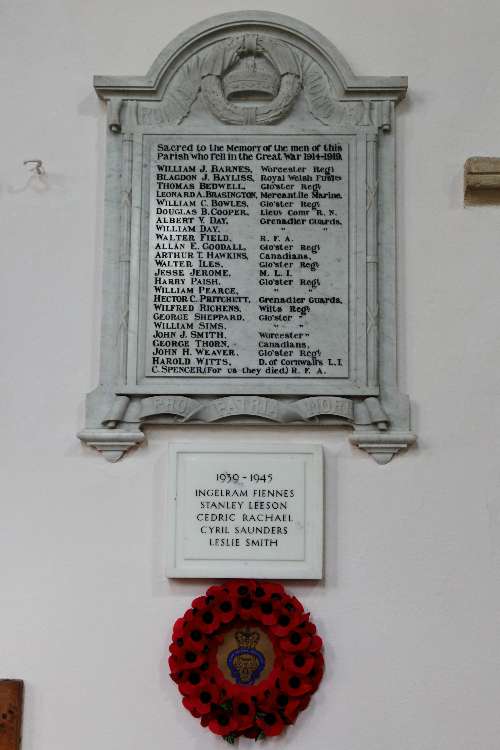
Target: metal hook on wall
38 168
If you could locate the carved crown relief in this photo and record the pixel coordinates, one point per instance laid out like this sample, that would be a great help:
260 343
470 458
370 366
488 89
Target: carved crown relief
251 65
252 79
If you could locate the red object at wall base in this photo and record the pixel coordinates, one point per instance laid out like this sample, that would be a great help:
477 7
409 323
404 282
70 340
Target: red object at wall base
11 714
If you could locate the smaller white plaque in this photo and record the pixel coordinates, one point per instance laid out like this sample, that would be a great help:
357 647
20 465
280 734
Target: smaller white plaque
244 511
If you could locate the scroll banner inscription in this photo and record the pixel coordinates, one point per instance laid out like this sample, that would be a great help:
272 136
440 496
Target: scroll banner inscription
251 405
188 409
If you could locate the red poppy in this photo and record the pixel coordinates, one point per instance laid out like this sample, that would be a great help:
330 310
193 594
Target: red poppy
295 684
247 607
268 611
265 592
299 663
223 723
278 596
308 626
181 671
291 710
208 620
286 705
190 682
292 604
316 674
316 644
217 590
174 665
285 623
271 723
304 702
178 628
319 661
201 602
242 588
265 696
296 640
202 699
243 710
189 615
194 638
261 592
226 607
187 658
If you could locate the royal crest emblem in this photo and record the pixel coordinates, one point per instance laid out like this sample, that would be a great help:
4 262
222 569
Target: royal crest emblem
246 662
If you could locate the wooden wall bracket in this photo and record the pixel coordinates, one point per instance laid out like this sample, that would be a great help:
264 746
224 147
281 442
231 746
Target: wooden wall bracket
482 181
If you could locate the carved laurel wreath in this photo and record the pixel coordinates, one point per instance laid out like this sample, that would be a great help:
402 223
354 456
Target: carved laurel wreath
225 55
205 72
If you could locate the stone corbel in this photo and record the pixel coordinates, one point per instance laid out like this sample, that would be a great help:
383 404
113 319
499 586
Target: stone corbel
382 446
111 444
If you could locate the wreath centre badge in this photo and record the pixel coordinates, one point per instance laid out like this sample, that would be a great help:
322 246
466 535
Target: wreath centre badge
246 655
246 659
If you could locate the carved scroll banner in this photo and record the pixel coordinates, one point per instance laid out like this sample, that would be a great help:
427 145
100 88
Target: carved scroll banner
250 240
366 412
258 406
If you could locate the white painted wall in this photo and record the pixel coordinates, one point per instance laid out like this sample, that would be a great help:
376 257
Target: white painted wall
409 607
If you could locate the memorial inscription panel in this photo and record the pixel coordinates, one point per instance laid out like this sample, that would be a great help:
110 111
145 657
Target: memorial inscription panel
249 256
250 264
258 509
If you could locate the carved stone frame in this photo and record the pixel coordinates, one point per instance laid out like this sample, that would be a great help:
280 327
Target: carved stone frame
183 86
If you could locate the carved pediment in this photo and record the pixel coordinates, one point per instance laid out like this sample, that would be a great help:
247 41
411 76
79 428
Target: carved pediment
252 69
248 66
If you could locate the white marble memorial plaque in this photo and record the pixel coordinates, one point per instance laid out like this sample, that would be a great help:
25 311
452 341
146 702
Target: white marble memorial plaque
245 510
250 240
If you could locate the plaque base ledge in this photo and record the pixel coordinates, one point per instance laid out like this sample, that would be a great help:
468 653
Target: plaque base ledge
111 444
382 448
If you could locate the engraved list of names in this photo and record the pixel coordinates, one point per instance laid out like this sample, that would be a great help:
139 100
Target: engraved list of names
248 256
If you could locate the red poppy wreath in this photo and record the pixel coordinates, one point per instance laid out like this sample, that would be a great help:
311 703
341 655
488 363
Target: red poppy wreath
246 659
